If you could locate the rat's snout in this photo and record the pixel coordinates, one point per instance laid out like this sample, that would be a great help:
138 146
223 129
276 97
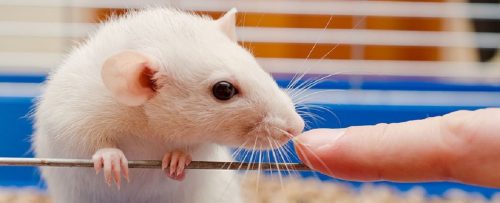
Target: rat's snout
284 121
285 127
296 125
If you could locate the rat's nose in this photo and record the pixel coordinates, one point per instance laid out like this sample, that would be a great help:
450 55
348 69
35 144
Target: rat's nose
296 127
293 132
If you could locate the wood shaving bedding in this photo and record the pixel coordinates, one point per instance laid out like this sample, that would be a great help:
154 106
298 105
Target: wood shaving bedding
299 190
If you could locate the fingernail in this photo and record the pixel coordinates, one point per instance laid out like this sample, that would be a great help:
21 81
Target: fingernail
319 138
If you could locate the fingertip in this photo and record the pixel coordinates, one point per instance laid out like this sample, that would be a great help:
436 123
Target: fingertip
329 152
310 145
318 138
407 151
301 153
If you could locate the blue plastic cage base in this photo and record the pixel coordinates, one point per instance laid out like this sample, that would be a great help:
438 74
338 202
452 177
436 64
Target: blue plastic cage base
16 128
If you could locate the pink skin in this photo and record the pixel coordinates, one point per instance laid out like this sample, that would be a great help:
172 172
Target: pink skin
150 97
131 77
113 162
462 146
175 161
127 74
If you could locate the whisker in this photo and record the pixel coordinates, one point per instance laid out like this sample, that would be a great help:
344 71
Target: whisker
280 153
335 47
314 117
323 108
307 123
237 151
312 152
290 151
323 164
245 156
243 161
233 176
311 84
251 161
314 173
303 98
283 188
259 168
249 44
252 152
288 160
275 161
299 87
294 79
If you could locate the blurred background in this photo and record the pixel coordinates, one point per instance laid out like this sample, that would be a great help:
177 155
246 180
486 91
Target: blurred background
389 61
436 38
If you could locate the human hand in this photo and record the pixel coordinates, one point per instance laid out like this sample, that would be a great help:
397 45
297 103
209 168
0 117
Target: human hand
462 146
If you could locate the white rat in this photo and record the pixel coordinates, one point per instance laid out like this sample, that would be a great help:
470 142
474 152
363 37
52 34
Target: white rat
158 84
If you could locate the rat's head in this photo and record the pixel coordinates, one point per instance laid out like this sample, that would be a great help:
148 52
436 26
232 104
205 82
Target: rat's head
196 83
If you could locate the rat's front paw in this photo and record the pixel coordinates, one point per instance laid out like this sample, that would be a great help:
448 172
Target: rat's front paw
113 161
175 161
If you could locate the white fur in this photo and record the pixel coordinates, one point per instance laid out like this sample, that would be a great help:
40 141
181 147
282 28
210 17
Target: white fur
77 115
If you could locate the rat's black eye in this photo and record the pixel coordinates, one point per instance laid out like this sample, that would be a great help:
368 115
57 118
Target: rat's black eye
224 90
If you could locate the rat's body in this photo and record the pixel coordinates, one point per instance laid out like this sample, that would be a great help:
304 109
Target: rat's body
147 185
97 104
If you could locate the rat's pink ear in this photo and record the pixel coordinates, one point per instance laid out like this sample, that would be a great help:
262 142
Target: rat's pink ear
227 24
129 77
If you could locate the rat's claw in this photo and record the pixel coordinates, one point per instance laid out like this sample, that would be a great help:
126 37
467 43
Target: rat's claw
165 161
176 161
97 163
124 167
183 162
115 168
173 163
112 161
107 170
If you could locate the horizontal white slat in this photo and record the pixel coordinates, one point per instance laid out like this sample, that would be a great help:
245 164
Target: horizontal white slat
28 63
371 37
404 98
370 8
486 71
20 89
44 62
287 35
46 14
350 97
45 29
